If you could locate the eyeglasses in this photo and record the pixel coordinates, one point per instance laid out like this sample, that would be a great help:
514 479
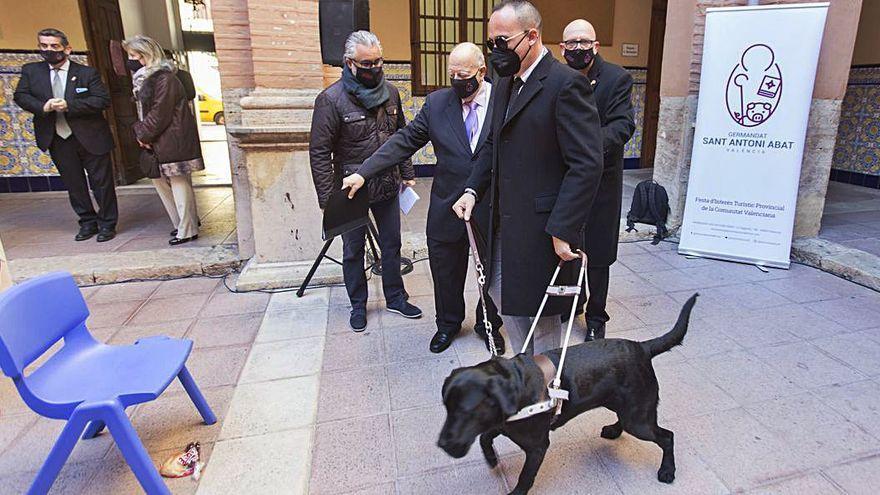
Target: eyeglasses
575 44
501 41
369 64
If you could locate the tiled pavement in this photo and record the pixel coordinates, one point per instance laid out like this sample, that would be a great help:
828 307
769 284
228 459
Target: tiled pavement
38 225
852 217
774 391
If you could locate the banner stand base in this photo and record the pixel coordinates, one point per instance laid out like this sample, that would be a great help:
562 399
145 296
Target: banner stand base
736 259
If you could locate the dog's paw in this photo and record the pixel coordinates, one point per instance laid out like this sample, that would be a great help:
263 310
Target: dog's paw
666 475
612 431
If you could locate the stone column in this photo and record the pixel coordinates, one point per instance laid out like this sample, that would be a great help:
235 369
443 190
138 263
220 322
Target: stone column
232 36
682 59
273 136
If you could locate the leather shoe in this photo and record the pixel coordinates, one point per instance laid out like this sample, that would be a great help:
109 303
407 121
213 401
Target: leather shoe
442 340
174 232
86 232
176 241
595 332
106 235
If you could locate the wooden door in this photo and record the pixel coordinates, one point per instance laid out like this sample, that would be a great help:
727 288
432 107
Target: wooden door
652 84
102 23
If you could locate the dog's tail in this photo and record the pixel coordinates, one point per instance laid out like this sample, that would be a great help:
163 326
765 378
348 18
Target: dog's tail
674 337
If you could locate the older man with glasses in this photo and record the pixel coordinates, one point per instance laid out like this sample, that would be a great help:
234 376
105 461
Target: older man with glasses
352 119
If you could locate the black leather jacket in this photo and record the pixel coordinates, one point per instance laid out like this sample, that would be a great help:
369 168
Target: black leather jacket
344 134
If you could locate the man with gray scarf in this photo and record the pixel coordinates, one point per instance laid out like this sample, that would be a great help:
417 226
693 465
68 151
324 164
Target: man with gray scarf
352 119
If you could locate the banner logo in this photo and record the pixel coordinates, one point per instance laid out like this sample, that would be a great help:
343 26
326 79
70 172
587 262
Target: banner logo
754 87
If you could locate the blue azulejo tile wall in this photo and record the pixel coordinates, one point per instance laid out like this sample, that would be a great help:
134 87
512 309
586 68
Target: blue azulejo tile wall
857 153
23 167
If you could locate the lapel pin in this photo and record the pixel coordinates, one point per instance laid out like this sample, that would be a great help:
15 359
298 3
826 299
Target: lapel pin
593 82
74 78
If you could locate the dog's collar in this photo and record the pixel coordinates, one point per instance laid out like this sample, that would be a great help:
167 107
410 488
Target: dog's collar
547 403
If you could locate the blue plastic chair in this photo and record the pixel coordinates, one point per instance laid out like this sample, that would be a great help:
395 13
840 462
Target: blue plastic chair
87 383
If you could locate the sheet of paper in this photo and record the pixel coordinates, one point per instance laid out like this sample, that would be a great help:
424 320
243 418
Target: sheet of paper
408 199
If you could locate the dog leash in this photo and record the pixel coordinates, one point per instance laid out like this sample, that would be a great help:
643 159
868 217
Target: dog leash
556 395
481 282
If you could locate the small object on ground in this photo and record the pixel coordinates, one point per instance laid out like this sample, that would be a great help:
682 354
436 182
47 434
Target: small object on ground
183 464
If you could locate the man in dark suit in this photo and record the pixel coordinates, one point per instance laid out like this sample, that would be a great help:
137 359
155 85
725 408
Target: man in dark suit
612 88
456 121
68 101
540 169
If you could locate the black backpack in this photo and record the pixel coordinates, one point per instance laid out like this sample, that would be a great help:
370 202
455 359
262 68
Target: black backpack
650 205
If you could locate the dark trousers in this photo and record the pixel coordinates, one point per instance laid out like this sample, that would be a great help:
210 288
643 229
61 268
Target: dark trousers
597 281
449 267
73 161
387 216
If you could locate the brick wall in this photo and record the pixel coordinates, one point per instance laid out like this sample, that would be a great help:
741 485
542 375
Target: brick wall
836 50
232 36
285 40
699 33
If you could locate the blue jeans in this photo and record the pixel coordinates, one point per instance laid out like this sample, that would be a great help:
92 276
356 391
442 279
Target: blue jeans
387 216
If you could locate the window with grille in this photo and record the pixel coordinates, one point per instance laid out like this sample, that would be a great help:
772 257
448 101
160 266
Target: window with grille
437 26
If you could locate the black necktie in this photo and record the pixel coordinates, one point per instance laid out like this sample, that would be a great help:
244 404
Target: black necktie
514 93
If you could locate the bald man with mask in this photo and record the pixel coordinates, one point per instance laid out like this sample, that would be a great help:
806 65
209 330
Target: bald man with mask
612 88
539 170
456 120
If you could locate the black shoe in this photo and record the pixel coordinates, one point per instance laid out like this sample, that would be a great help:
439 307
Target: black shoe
106 235
86 233
480 330
406 310
358 321
174 232
595 332
442 340
499 341
176 241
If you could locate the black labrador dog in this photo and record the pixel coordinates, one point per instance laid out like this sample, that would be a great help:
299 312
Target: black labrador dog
612 373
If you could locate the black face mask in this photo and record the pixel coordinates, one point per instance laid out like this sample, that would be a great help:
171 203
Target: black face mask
53 57
464 88
370 78
133 65
579 59
506 61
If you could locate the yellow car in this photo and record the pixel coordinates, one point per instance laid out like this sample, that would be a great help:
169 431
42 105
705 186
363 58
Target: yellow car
211 109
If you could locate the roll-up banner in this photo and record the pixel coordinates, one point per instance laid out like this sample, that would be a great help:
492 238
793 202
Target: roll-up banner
756 86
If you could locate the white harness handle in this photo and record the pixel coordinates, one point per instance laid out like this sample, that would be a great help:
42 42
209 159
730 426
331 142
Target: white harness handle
556 394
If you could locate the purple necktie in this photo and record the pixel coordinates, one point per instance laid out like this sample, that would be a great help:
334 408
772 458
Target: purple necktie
471 122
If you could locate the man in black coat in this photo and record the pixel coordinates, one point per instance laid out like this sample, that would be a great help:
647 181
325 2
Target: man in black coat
539 169
612 88
68 101
456 121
